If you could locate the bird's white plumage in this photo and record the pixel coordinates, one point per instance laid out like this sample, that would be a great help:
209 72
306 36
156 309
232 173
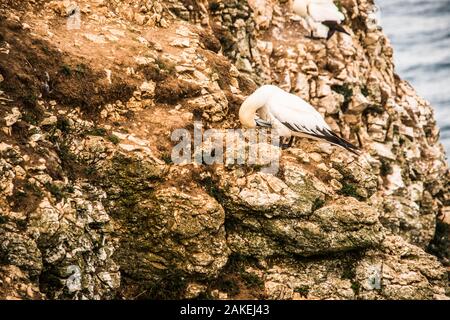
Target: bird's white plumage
277 107
317 11
300 7
287 114
284 108
325 10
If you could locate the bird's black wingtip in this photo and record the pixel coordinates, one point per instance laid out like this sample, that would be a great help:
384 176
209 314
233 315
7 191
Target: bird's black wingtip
333 138
334 27
325 134
355 151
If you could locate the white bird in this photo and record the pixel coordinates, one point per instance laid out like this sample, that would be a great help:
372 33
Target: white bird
289 115
322 16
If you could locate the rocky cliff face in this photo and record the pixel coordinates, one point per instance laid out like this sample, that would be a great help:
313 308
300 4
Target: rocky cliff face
92 207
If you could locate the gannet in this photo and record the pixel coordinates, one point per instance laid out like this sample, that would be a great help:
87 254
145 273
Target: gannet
289 115
322 16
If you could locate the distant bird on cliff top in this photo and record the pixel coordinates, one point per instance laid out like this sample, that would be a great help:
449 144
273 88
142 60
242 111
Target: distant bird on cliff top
322 16
288 114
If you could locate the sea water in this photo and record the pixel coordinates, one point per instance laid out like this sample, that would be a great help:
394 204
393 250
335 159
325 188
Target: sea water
419 31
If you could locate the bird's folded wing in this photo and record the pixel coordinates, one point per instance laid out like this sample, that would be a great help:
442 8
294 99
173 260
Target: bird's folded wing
262 123
325 12
297 118
309 123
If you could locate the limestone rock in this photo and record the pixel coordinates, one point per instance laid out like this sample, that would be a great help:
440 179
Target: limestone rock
93 207
391 273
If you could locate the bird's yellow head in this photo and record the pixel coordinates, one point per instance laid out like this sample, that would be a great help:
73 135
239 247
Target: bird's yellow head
254 102
300 7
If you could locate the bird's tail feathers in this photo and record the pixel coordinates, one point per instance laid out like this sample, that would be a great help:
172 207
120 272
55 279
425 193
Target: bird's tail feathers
333 138
334 26
323 134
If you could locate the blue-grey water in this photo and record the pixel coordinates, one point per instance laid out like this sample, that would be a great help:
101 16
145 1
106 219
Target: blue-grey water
419 31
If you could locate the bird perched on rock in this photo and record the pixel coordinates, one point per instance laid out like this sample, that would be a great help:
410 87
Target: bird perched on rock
322 16
288 114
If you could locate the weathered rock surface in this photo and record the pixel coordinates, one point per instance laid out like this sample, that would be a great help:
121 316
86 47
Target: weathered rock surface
397 270
92 206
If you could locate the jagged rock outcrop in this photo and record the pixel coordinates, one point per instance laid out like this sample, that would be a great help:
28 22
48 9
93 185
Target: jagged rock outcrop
92 206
